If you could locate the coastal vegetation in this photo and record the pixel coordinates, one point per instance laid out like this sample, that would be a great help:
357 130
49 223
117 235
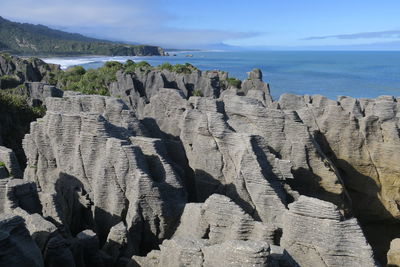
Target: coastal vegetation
234 82
29 39
97 81
16 118
186 68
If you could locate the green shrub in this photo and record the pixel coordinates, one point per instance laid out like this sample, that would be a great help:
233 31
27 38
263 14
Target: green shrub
114 65
143 65
186 68
130 66
6 56
234 82
76 70
2 164
92 81
197 93
15 119
166 66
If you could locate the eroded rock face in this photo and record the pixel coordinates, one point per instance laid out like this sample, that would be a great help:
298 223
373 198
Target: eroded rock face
270 182
8 158
137 88
361 138
94 173
37 92
189 252
219 219
25 70
316 234
17 246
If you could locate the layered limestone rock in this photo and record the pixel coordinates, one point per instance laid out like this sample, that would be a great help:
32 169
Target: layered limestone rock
361 137
7 157
251 151
108 178
254 83
189 252
94 173
219 219
24 70
138 87
9 169
37 92
16 245
316 234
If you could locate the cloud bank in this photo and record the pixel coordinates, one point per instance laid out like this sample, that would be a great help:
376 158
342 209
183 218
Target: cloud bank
140 21
361 35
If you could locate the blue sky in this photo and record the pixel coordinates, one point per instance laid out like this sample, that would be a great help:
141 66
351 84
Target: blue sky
279 24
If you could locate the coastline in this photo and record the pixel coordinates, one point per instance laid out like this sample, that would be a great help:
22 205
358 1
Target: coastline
330 73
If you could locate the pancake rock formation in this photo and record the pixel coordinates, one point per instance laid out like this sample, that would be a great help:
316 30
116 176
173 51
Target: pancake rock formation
157 175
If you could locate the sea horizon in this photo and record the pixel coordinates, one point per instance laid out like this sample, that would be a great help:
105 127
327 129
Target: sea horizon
360 74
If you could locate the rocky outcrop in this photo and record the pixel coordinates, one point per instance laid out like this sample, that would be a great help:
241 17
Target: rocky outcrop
7 157
95 172
255 83
187 252
161 177
37 92
24 70
137 88
17 246
316 234
219 220
361 138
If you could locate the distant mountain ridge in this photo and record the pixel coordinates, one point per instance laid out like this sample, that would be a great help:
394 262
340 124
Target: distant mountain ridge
30 39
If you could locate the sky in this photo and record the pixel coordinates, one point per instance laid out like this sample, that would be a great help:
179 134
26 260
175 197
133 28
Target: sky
253 24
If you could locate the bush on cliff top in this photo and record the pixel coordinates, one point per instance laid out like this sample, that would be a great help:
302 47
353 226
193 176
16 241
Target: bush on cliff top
234 82
186 68
131 66
92 81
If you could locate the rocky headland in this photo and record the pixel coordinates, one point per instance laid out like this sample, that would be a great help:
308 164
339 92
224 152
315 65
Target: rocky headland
173 166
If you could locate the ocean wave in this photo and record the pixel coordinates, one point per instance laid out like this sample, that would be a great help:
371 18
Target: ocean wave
74 61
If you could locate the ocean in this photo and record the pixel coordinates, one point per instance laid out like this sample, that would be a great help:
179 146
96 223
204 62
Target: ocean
330 73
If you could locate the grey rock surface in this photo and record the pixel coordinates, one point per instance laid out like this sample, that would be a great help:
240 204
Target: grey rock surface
360 136
219 219
7 156
316 234
16 245
197 252
25 70
37 92
269 183
94 172
254 82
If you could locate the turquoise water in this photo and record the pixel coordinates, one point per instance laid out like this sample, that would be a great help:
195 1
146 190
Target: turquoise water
330 73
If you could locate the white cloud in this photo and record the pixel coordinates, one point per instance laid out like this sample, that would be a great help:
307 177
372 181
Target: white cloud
142 21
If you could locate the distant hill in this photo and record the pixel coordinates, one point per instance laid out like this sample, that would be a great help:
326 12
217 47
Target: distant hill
29 39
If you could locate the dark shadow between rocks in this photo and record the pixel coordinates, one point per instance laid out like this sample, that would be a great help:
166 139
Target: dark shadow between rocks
177 154
366 205
206 185
74 203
